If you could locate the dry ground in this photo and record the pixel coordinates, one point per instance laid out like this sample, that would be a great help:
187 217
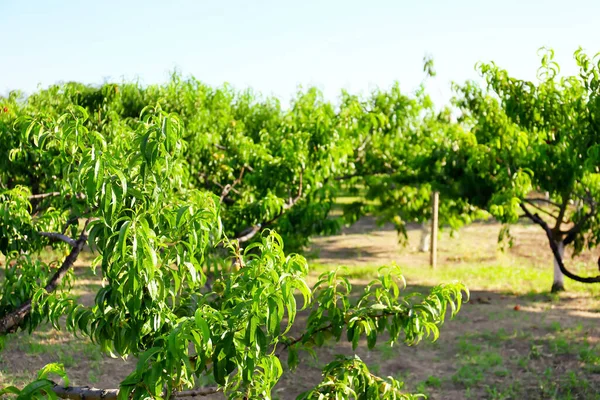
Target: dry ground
512 340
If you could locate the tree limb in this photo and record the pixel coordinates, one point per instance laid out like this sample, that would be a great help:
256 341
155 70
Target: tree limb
540 208
10 321
554 247
59 236
229 187
40 196
90 393
250 232
561 213
542 200
574 231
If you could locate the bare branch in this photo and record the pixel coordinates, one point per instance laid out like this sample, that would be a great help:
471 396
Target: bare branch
554 247
59 236
40 196
43 195
9 322
90 393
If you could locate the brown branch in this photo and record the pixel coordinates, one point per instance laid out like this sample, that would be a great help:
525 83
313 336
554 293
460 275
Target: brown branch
10 321
540 208
40 196
43 195
554 247
250 232
229 187
542 200
90 393
561 213
306 335
574 231
59 236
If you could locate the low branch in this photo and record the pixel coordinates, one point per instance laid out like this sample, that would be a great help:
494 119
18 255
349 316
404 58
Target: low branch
250 232
554 247
59 236
90 393
10 321
40 196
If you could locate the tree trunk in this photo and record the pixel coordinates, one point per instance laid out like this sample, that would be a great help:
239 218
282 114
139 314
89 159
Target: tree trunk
559 278
425 237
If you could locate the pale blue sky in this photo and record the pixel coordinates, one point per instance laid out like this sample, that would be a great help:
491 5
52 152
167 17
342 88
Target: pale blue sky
274 46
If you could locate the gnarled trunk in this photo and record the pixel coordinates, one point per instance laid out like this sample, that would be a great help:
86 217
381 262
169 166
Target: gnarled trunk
558 284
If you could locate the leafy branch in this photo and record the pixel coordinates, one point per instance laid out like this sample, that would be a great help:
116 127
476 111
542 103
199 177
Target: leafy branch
10 321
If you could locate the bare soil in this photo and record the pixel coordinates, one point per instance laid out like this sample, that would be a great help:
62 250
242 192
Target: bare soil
525 331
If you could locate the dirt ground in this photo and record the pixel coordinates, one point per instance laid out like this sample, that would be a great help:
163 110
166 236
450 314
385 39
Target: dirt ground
512 340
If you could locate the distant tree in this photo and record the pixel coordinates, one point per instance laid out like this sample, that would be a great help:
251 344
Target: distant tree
539 137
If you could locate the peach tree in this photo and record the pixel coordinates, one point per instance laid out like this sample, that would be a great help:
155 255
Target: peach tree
539 137
128 201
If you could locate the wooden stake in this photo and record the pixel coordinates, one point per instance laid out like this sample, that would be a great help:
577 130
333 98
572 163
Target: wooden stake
434 230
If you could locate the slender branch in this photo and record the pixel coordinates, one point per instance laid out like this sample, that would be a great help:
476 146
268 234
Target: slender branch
561 213
40 196
309 334
69 222
229 187
250 232
43 195
90 393
59 236
554 247
306 335
542 200
574 231
540 208
10 321
359 175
